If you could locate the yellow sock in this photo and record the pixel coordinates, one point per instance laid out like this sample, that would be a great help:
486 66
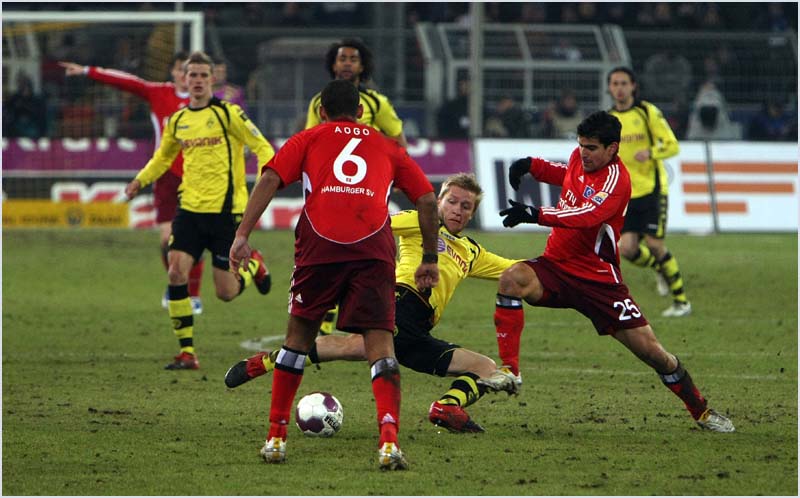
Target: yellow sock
644 258
671 271
180 312
463 391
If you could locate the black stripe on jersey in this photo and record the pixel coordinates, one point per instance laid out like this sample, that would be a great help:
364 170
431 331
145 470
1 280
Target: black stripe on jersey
227 205
476 250
178 115
372 102
644 109
316 103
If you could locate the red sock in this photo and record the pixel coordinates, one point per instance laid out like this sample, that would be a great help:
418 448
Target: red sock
680 383
509 319
284 389
386 389
196 278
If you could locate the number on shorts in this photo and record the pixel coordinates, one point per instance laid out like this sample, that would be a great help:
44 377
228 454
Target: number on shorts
629 310
347 155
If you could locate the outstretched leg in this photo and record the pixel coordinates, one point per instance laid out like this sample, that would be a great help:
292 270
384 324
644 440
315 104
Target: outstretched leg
517 283
643 343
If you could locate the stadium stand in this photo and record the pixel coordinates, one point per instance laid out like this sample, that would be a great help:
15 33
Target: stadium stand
749 49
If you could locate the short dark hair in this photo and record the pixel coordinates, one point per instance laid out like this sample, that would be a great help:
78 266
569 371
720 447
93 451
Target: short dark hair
198 57
363 52
181 55
340 98
602 126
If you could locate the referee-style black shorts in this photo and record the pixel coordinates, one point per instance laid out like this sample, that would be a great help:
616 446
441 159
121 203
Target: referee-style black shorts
648 215
414 345
193 233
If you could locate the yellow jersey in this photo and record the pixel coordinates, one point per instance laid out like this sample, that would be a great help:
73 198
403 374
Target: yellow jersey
459 257
644 127
378 112
212 140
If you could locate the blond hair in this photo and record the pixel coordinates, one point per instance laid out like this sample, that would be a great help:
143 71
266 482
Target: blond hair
467 181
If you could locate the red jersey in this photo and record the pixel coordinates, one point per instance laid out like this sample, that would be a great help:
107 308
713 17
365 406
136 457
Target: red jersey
587 222
348 171
163 98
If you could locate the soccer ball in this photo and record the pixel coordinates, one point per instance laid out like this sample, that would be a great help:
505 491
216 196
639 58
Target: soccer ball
319 414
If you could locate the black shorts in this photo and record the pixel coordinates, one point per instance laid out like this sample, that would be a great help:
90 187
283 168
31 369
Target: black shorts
192 233
648 215
414 345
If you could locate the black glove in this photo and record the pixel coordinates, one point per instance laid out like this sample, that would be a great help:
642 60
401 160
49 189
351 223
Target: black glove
517 170
519 213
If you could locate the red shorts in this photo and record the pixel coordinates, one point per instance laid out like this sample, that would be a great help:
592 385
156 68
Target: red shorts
165 196
610 307
363 289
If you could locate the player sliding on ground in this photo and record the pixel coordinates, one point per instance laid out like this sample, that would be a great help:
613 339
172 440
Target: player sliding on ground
418 312
580 265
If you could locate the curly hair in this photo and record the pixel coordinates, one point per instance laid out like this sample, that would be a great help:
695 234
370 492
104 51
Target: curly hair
363 51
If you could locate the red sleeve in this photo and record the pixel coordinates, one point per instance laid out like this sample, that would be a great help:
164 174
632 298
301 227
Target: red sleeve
124 81
287 163
408 175
594 211
548 171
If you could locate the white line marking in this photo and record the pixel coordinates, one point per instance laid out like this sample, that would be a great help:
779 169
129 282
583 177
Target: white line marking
258 344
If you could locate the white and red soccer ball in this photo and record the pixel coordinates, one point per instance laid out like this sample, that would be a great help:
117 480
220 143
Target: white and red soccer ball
319 414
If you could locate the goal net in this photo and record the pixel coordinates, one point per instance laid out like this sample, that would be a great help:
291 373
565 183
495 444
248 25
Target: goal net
70 144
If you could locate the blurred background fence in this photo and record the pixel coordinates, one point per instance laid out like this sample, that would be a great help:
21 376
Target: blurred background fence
533 54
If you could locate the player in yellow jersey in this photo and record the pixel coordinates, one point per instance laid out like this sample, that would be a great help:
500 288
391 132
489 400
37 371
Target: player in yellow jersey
647 140
350 59
213 193
417 313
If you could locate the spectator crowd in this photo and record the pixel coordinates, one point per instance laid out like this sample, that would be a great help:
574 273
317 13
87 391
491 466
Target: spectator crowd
50 106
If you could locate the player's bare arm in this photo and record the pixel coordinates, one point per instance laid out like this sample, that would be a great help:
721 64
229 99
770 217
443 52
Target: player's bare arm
262 195
400 139
643 155
427 274
132 188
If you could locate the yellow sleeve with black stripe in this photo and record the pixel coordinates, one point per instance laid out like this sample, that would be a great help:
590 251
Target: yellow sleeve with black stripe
489 265
212 140
312 117
459 257
384 117
644 127
163 157
247 132
377 113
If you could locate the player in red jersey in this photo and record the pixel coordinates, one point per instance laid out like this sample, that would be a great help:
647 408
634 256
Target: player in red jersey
344 252
164 99
580 265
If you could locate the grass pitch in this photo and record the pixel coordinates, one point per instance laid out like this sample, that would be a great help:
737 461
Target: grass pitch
89 410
